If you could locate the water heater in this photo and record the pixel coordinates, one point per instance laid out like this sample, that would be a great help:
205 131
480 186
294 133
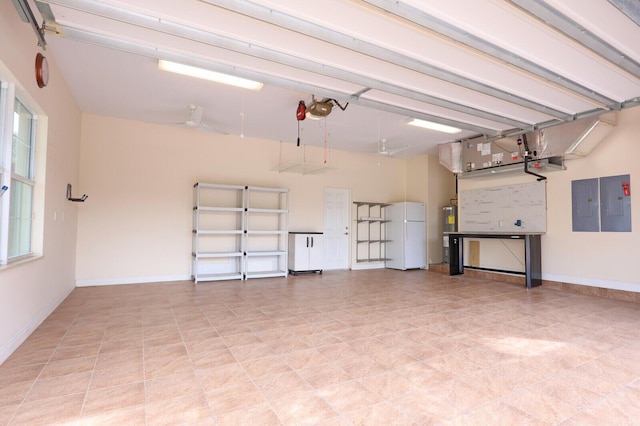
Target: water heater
449 224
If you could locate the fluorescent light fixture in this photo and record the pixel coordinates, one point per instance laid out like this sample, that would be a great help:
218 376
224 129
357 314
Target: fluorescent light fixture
208 75
433 126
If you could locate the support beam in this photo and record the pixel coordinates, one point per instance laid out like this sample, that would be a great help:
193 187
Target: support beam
577 32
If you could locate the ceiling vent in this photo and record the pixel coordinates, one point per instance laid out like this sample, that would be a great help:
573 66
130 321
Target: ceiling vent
548 148
588 140
450 155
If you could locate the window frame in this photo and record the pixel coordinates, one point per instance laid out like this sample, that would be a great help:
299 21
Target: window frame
8 99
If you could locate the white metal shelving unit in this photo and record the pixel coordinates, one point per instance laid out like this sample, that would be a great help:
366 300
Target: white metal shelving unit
266 230
370 231
218 230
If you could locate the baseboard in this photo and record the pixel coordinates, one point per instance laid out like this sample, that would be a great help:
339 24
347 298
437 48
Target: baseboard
616 291
443 268
19 338
589 290
131 280
364 265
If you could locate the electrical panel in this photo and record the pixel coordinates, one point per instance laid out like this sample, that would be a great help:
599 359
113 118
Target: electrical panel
585 205
615 204
601 204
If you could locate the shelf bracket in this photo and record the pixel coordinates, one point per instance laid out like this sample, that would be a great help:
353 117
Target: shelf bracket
77 200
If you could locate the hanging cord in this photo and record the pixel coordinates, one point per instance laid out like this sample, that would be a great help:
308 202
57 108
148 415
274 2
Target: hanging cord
301 114
242 119
325 141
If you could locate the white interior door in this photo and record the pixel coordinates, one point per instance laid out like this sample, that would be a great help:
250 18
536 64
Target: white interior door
336 228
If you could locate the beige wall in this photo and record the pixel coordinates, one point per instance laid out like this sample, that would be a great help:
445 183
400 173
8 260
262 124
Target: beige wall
31 290
136 224
428 182
442 189
602 259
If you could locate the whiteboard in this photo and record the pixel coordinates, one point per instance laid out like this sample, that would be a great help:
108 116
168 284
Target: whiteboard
514 209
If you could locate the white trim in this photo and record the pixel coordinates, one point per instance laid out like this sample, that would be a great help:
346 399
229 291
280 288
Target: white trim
131 280
590 282
8 91
363 266
19 338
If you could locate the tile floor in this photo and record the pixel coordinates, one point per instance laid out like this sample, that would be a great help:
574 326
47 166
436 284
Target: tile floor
377 347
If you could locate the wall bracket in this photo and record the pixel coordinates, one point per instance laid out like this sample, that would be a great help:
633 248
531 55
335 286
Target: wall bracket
78 200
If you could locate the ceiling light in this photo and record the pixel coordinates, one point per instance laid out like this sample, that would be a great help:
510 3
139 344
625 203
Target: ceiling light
433 126
208 75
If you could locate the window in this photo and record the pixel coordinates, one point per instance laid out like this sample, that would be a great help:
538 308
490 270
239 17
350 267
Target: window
17 172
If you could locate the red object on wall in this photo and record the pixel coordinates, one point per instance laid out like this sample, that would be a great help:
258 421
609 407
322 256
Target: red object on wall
301 112
627 191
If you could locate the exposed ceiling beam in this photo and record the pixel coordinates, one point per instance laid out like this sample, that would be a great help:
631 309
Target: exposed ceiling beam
572 29
190 33
432 23
631 8
156 53
256 11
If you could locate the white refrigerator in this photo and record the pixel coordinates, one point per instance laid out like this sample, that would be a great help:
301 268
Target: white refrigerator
406 246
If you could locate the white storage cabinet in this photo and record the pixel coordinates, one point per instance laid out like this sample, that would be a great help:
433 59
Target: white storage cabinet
305 252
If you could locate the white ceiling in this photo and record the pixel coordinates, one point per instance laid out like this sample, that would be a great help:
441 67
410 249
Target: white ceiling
486 66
